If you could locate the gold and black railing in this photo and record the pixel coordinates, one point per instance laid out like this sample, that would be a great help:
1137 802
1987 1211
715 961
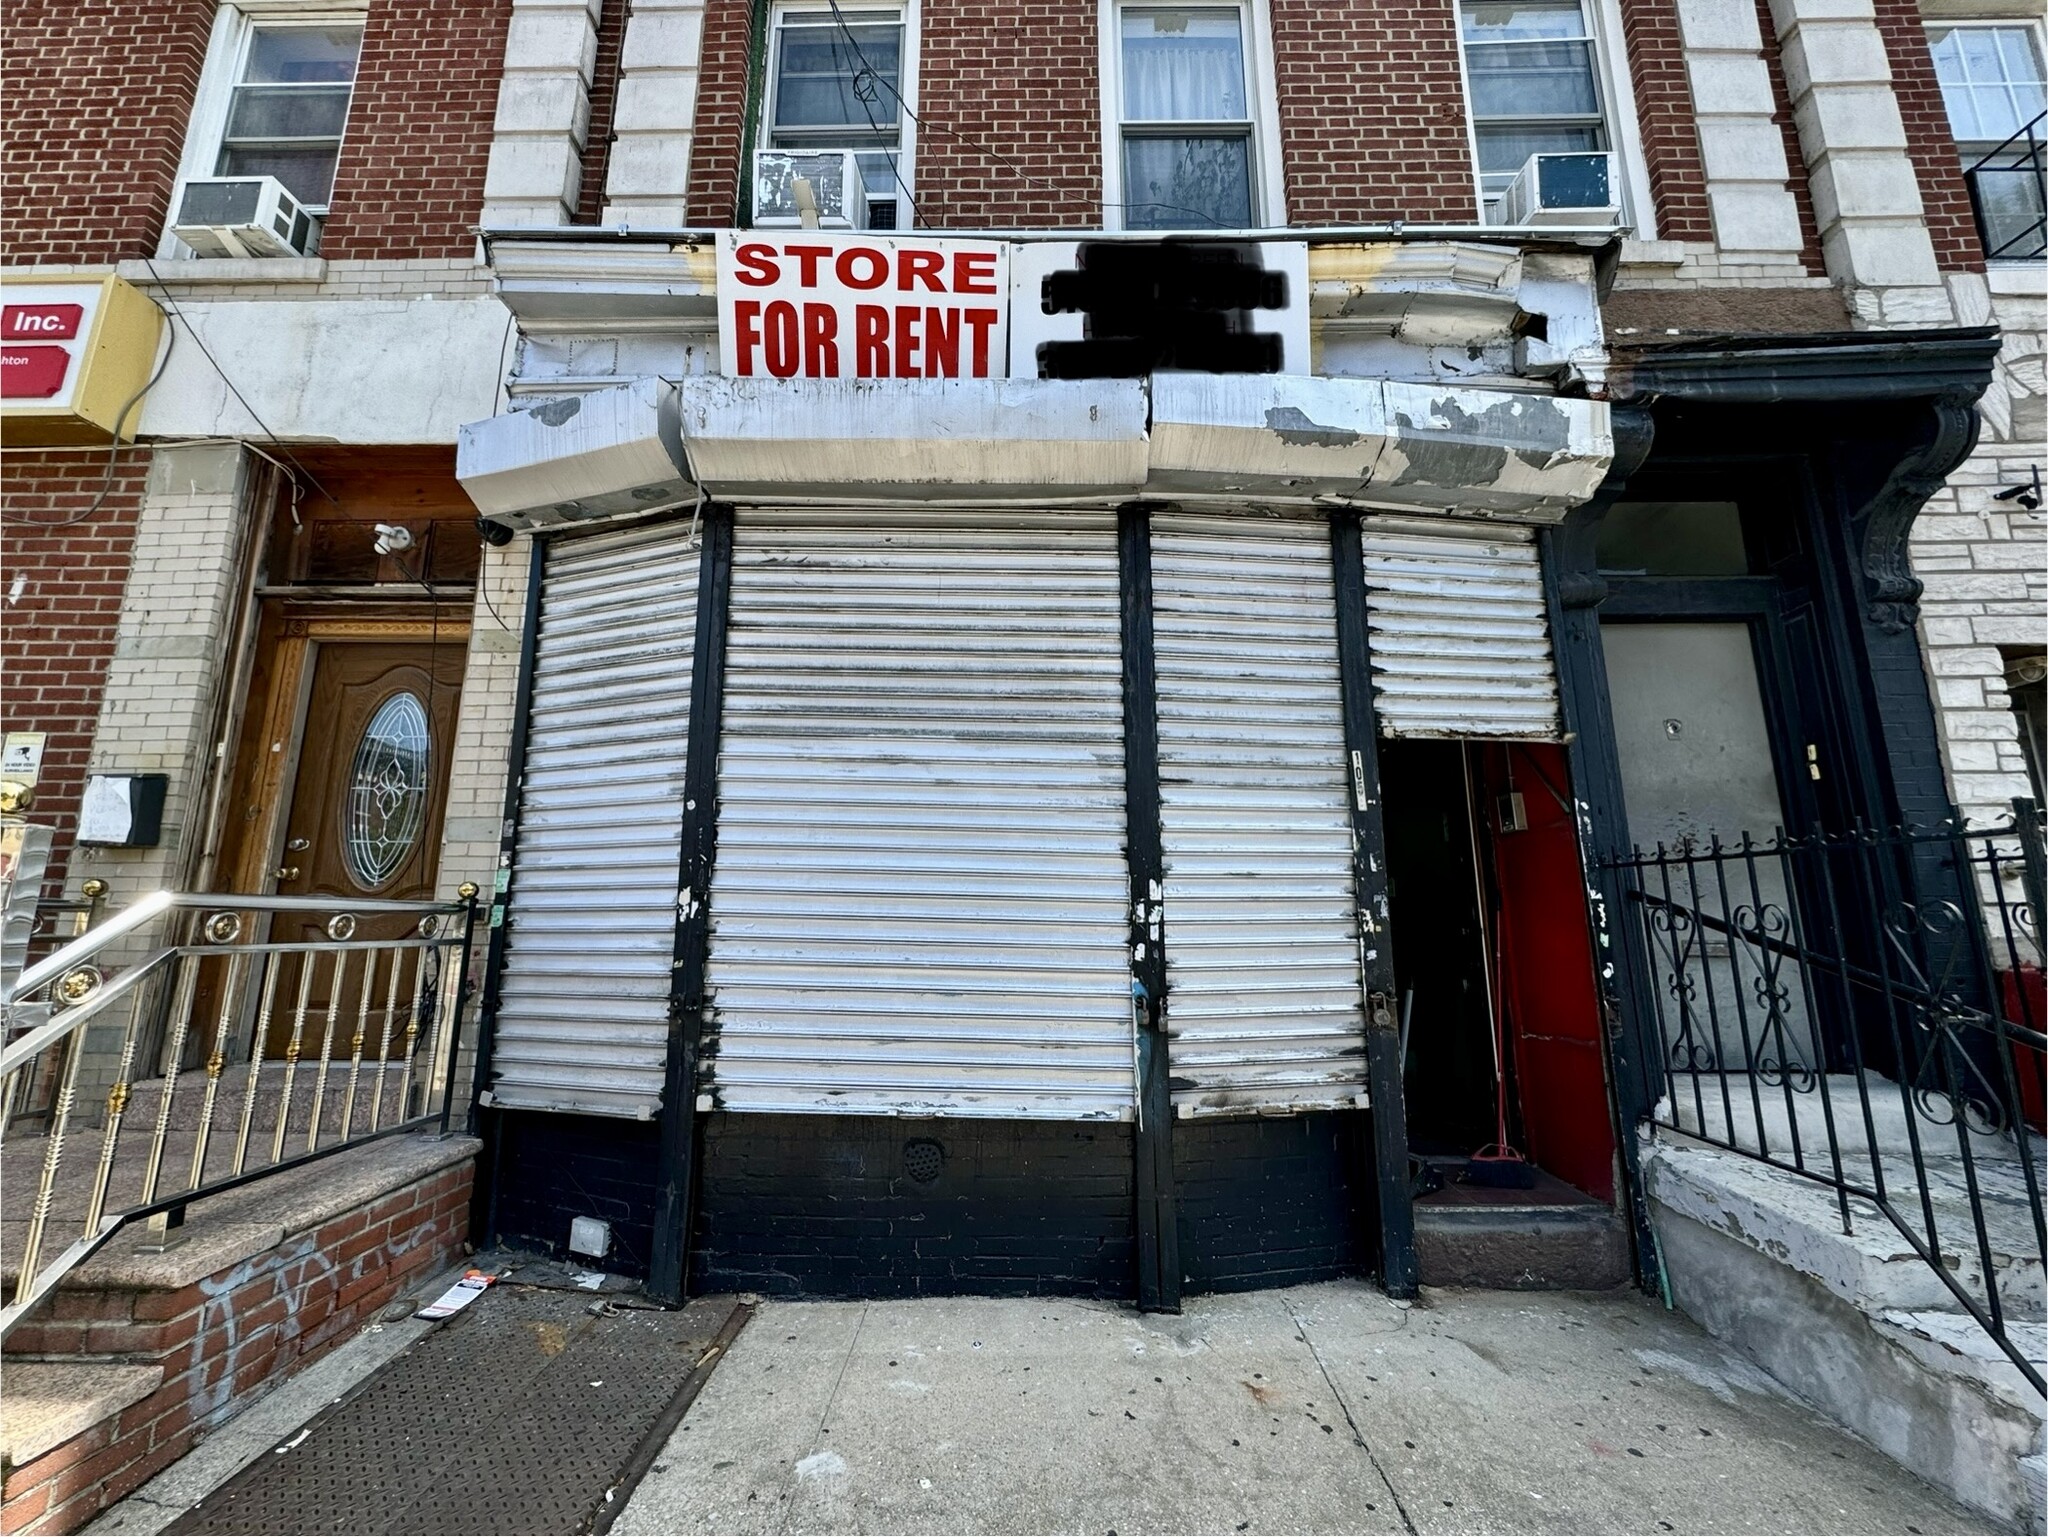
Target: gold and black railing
196 1043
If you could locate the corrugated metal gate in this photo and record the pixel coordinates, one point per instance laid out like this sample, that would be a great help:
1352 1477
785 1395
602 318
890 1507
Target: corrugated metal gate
582 1017
1264 999
1460 641
919 902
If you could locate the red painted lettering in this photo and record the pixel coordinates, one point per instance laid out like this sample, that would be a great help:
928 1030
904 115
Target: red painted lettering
821 342
980 323
746 328
941 344
929 266
758 267
807 259
779 346
974 272
870 341
875 263
907 341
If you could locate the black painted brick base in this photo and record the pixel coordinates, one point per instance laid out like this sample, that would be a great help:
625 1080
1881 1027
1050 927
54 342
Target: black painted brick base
825 1206
545 1169
807 1205
1275 1201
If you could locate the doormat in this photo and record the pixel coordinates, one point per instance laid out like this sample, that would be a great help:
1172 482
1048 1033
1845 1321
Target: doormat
533 1410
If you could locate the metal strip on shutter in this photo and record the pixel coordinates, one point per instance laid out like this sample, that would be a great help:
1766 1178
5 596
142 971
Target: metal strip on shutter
1460 640
920 899
1264 994
583 995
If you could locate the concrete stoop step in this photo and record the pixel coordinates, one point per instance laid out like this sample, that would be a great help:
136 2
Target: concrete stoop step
1857 1324
1551 1237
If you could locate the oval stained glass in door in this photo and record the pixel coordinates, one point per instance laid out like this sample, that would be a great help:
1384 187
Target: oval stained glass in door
386 806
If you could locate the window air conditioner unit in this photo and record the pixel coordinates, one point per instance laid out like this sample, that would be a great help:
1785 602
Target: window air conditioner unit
809 189
1573 189
244 216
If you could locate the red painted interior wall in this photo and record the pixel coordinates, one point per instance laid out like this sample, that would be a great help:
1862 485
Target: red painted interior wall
1547 982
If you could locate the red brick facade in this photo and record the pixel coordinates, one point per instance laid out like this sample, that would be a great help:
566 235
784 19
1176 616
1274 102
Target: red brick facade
1671 143
411 178
97 93
719 131
1372 112
222 1339
1795 161
604 100
1937 164
58 636
1017 77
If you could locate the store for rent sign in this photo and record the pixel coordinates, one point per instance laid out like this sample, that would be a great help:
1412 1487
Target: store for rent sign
806 304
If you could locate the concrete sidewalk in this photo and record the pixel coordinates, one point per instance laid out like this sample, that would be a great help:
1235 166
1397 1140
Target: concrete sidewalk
1324 1409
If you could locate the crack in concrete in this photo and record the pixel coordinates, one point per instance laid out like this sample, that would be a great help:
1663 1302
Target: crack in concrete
824 1415
1343 1403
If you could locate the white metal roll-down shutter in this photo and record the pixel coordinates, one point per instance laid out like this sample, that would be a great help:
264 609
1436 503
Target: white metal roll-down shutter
582 1019
1460 639
920 896
1264 994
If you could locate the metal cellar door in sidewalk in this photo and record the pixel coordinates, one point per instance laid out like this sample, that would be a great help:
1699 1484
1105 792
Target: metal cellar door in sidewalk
919 902
1265 999
583 994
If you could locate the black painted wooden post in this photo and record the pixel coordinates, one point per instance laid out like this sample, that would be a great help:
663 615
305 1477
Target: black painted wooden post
1369 883
676 1166
1158 1228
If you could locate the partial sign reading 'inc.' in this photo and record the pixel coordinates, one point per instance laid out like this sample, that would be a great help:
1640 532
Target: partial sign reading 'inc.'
813 305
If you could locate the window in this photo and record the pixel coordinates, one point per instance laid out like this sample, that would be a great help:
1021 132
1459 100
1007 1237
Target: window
288 107
1534 84
1672 539
1991 80
836 82
1184 119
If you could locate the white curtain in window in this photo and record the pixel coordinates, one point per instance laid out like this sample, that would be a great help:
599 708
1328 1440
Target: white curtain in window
1183 66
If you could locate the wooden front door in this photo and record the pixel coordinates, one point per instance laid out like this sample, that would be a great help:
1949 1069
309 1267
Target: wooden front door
364 819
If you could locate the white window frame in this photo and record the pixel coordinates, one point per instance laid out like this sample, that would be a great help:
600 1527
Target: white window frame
2030 24
1269 184
227 49
1611 78
906 12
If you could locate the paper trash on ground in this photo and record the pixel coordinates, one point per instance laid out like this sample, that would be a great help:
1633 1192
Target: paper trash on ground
459 1296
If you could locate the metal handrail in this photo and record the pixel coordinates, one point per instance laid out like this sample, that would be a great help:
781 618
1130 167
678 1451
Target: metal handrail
2034 235
383 1034
1792 995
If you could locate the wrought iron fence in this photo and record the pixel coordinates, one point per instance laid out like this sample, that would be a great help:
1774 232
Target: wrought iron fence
2009 194
210 1041
1863 1011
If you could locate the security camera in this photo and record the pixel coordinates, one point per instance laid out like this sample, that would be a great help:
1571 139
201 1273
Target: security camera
391 538
493 533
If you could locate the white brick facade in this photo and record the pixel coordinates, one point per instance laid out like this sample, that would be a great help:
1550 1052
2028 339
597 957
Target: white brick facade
1985 563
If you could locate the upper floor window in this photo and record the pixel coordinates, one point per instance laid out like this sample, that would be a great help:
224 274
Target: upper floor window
1185 127
288 106
836 81
1534 83
1992 82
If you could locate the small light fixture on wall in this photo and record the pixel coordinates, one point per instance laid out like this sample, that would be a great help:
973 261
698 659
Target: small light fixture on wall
2027 493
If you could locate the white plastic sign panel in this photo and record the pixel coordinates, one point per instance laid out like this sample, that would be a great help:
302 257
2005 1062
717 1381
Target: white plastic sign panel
1032 324
44 329
811 304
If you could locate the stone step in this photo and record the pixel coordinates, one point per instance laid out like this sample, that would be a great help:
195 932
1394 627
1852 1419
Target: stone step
1548 1238
1857 1324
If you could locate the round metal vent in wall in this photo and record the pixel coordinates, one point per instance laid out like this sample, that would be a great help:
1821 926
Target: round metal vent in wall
923 1159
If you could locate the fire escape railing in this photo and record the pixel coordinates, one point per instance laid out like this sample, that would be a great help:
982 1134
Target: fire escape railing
2009 194
208 1041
